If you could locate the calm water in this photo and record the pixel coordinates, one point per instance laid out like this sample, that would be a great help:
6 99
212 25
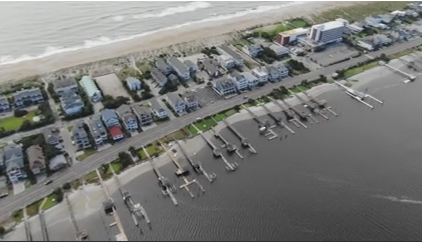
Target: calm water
354 177
36 29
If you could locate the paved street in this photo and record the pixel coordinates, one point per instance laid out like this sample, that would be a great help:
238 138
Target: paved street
77 170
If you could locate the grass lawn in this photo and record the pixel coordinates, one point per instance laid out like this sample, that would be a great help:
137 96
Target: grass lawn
203 125
230 112
27 184
18 215
219 117
274 30
13 123
299 23
297 90
360 69
151 150
70 128
246 105
117 167
92 176
86 154
33 209
158 122
76 184
50 202
400 54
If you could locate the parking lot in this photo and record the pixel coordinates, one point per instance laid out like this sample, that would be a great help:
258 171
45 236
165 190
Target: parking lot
205 95
332 54
111 85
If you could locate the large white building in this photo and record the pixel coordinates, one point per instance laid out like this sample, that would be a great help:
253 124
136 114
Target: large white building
287 37
327 32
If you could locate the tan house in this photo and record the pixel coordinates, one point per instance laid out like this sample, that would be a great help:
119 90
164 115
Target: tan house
36 159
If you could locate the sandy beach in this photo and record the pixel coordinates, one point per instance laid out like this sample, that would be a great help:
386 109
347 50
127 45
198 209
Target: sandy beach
204 33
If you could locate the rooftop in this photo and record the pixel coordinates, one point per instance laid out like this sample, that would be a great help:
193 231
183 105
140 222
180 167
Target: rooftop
133 80
26 93
89 85
295 31
96 126
155 105
231 52
174 98
115 131
178 64
329 25
65 82
224 82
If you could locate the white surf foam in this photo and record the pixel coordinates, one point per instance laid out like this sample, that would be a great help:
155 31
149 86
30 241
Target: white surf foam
103 40
175 10
401 200
118 18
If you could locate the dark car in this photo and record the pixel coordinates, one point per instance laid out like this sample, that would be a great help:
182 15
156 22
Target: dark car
48 182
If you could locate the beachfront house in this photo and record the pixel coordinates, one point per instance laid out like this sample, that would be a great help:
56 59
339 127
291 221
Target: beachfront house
158 110
133 84
36 159
27 97
252 50
91 89
226 61
227 50
224 86
279 50
261 73
110 118
71 103
128 118
192 67
177 103
97 130
252 80
191 101
143 113
181 69
374 42
239 80
211 67
80 136
14 162
4 104
158 76
162 66
65 85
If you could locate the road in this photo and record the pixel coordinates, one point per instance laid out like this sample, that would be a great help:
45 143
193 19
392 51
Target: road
38 191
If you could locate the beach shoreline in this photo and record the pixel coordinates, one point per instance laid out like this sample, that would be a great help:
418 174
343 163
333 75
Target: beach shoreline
209 33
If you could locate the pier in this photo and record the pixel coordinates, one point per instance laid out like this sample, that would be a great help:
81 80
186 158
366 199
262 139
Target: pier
264 128
322 104
80 235
166 187
109 206
254 116
27 225
182 168
311 106
229 146
289 114
245 142
43 225
197 166
137 211
301 115
217 152
357 95
405 74
279 121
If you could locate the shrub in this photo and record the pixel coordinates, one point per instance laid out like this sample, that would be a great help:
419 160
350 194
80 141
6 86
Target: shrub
20 113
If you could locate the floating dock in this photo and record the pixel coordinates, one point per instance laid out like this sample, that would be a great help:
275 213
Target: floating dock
302 115
279 120
311 106
167 188
229 146
264 128
217 152
405 74
43 225
80 235
182 168
322 104
245 142
289 114
197 166
27 225
357 95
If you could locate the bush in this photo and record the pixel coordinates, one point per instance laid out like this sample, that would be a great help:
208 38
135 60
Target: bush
66 186
2 230
58 192
20 113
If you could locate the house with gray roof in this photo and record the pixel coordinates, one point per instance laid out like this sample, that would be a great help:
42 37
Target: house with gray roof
252 50
211 67
4 104
374 42
80 136
97 129
157 109
224 49
27 97
282 69
181 69
191 101
14 162
71 103
191 66
143 113
173 79
273 74
176 102
279 50
58 162
52 136
126 115
110 118
252 80
65 85
162 66
133 84
36 159
239 80
158 76
224 86
91 89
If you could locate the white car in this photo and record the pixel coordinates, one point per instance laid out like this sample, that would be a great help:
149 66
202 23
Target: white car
73 142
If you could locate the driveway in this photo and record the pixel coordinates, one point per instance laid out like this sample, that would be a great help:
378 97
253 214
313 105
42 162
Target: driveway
18 187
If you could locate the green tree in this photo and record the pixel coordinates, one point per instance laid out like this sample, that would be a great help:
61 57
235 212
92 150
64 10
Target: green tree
2 230
66 186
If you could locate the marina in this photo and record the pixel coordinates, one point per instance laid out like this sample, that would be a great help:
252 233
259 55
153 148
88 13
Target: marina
322 104
278 120
289 115
357 95
311 106
244 141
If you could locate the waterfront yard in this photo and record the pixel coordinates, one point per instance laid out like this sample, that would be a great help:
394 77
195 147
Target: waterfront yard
87 153
298 89
151 149
50 201
354 71
14 123
203 125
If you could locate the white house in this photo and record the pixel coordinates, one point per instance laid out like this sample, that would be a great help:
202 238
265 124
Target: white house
374 42
279 50
181 69
133 83
239 81
226 61
252 80
238 60
283 71
177 103
261 73
252 50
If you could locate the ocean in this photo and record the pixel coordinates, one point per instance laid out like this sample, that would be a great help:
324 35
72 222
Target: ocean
354 177
33 30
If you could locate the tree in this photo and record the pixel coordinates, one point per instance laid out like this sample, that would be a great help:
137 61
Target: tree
132 150
58 192
125 159
2 230
304 83
66 186
20 113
